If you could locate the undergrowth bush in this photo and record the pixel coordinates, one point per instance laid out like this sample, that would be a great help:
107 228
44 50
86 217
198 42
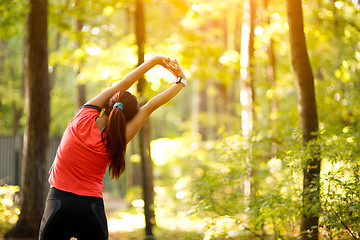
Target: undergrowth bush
272 207
340 183
245 192
9 211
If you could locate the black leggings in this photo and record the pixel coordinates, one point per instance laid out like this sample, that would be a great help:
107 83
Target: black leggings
69 215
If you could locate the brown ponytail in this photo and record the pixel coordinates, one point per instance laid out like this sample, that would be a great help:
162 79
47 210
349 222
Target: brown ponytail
115 130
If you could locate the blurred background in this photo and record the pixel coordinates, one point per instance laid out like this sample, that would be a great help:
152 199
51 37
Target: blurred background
226 154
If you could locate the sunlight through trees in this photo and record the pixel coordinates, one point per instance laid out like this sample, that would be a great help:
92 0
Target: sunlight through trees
262 144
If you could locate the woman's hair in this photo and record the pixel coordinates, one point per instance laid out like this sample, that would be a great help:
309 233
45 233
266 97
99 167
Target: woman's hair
115 129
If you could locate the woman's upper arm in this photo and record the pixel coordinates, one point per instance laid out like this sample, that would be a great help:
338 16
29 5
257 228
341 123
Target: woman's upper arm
102 98
136 123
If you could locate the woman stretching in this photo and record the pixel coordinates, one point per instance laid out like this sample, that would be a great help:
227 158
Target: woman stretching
92 143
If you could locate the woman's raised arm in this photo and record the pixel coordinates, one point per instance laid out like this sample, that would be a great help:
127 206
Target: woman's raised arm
102 98
135 124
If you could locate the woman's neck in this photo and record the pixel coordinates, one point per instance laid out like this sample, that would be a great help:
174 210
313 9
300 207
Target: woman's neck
101 122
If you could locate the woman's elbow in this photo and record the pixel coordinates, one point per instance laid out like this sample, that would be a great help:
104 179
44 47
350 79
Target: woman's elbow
149 108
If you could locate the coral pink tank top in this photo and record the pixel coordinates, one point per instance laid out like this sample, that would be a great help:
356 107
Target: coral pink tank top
81 159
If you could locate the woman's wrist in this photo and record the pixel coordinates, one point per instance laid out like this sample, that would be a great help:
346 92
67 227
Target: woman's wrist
157 59
181 74
180 80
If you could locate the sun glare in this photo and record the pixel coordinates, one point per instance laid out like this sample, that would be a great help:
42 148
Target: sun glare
259 31
93 51
195 7
276 16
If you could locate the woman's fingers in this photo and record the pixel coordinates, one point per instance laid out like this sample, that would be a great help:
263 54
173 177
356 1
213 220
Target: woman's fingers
172 65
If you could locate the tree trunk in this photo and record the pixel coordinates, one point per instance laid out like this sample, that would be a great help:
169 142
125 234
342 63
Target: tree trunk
195 128
81 90
17 109
52 74
81 94
247 94
308 118
233 91
223 111
36 140
127 20
3 52
144 133
271 67
17 114
186 106
203 112
147 178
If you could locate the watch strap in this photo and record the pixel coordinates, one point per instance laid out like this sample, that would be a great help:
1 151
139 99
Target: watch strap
181 80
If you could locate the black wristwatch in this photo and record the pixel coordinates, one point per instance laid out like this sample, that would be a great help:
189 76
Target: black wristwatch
181 80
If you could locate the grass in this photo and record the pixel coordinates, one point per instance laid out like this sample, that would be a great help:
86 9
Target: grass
129 224
159 233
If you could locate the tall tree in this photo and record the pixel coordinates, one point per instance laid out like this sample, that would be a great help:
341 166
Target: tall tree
196 103
308 118
78 22
3 52
17 108
144 133
56 44
36 139
271 77
247 93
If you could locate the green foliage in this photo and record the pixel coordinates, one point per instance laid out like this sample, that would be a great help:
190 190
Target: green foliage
220 191
8 207
218 185
12 85
133 193
208 178
341 183
12 12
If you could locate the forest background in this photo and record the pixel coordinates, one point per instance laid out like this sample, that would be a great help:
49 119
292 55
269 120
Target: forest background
229 150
